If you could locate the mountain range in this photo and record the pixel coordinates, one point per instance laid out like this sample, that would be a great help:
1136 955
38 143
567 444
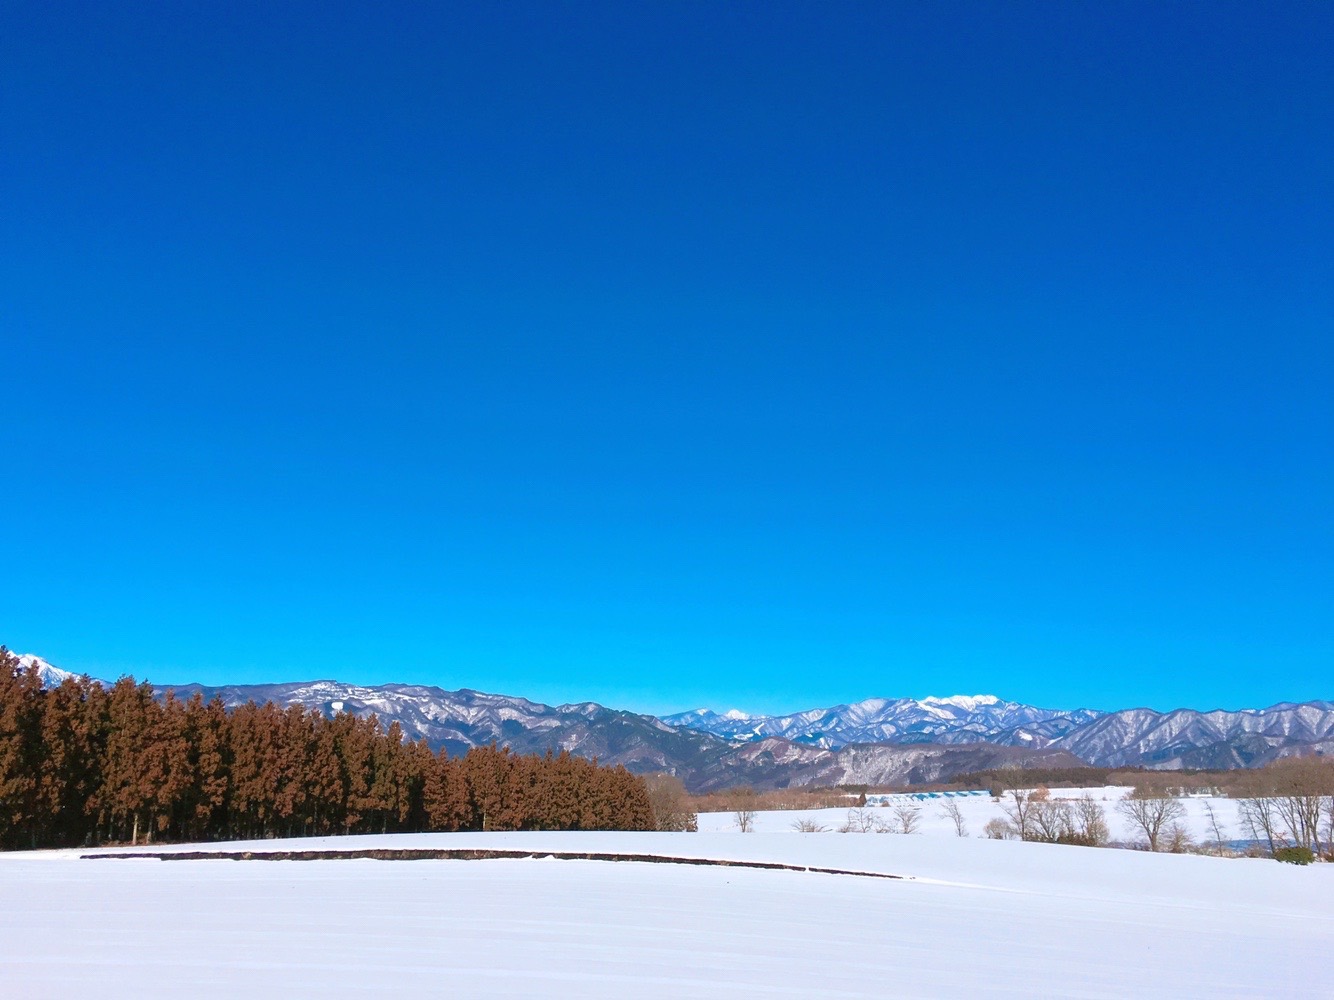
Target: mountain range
979 718
874 742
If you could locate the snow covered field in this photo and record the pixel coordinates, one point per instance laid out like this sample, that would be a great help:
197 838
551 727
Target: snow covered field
977 809
971 918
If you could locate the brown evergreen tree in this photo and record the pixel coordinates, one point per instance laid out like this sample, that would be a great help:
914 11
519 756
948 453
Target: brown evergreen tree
205 806
20 752
126 790
326 789
165 758
448 803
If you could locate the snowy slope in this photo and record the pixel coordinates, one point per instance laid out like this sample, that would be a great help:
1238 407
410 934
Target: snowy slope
51 676
976 918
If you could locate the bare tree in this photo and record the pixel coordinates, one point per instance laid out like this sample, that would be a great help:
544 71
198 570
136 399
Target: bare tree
1176 838
951 811
743 808
907 816
1216 826
1261 818
672 808
1011 776
1329 825
1019 811
809 826
861 820
1301 784
1090 822
1151 811
999 829
1052 819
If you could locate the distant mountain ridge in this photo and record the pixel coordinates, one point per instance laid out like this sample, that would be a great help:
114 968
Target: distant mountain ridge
1185 738
958 719
457 720
877 741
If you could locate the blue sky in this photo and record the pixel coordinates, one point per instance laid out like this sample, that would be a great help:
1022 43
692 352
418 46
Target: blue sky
771 355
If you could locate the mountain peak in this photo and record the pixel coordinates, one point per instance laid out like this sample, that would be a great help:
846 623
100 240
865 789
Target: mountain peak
968 702
51 676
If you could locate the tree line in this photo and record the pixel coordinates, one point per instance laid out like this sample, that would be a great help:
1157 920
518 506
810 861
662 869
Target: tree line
1289 804
84 764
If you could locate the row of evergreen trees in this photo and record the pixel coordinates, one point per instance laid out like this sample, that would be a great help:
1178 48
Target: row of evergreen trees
84 764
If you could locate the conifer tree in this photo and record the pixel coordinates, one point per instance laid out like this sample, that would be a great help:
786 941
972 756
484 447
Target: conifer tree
67 775
295 751
205 806
326 790
167 771
446 796
20 751
127 792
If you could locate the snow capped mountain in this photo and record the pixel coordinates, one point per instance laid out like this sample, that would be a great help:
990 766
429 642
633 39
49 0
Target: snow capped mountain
51 676
1189 739
968 703
980 718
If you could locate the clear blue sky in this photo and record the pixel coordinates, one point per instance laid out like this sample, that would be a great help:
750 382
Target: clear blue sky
750 354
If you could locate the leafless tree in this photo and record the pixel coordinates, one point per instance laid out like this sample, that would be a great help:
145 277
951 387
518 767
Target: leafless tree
1329 825
907 816
1090 822
743 808
1019 811
672 808
999 829
1176 838
951 811
1051 819
1261 818
1302 785
1216 826
861 820
809 826
1151 811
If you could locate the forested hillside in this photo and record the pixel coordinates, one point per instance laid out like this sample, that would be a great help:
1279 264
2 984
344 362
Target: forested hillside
81 763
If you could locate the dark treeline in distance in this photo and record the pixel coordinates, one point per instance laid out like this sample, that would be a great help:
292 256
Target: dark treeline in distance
83 764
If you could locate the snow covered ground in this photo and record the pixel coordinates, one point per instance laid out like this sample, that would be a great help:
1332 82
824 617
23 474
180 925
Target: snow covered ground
972 918
977 809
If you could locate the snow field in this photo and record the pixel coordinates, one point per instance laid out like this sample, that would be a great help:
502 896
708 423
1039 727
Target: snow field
978 809
974 918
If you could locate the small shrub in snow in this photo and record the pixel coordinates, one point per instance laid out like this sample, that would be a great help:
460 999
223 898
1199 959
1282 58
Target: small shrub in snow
1176 839
998 829
1295 855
